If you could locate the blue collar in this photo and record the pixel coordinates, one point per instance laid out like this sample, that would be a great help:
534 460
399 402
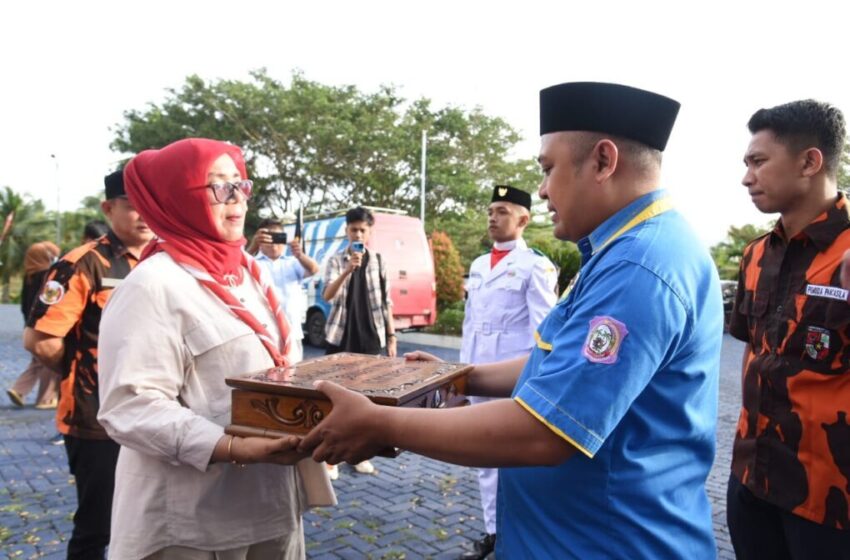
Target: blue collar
597 238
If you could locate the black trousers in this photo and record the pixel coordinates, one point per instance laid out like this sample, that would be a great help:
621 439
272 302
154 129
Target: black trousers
761 530
331 349
92 462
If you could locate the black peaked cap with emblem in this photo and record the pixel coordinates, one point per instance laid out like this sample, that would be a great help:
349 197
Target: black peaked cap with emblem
114 183
615 109
507 193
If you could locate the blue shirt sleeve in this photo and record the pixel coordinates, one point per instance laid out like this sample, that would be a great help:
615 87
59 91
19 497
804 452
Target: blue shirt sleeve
295 272
580 394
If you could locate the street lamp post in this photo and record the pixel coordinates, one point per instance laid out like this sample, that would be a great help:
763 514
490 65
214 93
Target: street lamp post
58 211
422 177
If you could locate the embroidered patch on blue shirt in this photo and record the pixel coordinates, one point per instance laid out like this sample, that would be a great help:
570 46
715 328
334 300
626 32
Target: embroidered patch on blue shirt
603 342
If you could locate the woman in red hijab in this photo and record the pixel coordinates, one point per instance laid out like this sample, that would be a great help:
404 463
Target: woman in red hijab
195 310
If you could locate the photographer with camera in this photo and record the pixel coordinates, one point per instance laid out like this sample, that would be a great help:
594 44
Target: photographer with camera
286 273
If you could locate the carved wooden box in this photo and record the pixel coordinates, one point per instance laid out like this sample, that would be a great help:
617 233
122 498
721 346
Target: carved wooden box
264 404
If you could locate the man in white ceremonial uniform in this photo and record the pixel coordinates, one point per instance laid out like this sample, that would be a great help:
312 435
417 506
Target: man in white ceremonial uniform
509 292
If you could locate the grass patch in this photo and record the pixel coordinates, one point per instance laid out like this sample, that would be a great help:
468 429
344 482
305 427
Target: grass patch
446 484
439 533
321 512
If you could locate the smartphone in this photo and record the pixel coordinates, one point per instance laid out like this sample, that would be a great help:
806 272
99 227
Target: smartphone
278 237
357 246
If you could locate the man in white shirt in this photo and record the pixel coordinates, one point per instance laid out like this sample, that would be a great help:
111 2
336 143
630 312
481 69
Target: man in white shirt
286 272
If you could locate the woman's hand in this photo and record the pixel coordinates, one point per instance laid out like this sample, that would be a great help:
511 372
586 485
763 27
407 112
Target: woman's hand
392 346
249 450
420 356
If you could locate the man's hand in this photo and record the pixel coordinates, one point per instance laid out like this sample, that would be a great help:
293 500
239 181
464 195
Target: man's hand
392 346
48 349
280 451
420 356
295 248
354 262
845 272
351 433
262 236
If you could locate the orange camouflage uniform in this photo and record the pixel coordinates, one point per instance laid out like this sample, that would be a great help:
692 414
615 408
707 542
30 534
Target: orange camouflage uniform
792 446
69 306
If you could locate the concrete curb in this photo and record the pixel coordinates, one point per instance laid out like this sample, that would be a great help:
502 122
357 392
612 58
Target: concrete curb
427 339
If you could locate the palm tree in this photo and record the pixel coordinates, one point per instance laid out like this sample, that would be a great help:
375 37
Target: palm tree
28 225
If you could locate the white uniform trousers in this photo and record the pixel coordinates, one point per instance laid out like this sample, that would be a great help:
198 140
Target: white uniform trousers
488 484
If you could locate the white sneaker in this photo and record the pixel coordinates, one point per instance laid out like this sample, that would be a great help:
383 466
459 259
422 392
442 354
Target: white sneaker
365 467
333 472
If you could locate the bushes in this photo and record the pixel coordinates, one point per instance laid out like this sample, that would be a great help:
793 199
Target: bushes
449 274
450 319
448 270
563 254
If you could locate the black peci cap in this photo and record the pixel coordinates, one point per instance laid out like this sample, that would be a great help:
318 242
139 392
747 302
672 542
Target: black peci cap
624 111
114 183
507 193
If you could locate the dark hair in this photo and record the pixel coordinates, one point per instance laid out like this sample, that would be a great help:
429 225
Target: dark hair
271 222
643 157
95 229
805 124
359 214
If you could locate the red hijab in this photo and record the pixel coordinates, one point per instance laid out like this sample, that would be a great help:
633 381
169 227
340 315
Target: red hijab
167 188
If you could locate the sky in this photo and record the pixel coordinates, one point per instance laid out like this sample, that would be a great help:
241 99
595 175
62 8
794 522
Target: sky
70 69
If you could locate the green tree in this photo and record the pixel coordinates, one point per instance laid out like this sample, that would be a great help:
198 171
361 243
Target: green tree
727 254
563 254
28 225
74 222
328 147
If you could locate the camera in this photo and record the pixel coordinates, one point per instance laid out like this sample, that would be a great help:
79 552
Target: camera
278 237
357 246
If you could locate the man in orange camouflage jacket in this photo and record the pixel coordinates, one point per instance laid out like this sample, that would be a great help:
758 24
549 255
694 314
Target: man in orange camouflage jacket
789 493
62 332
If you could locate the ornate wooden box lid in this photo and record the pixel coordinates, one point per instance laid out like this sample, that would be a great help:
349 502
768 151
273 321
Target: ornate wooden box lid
388 381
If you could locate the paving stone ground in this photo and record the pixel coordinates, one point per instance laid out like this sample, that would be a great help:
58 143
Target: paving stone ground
412 508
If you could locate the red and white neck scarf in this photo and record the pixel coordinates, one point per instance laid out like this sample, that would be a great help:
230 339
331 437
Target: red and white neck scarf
166 187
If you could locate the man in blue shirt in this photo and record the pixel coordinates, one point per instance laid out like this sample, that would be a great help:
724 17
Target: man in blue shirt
286 273
609 437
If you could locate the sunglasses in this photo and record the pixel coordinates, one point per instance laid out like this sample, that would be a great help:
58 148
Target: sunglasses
225 192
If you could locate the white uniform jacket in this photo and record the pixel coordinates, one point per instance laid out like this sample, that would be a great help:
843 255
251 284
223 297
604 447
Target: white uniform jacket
506 304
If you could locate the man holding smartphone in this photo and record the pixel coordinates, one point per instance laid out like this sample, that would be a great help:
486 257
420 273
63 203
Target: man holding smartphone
286 272
356 286
361 318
